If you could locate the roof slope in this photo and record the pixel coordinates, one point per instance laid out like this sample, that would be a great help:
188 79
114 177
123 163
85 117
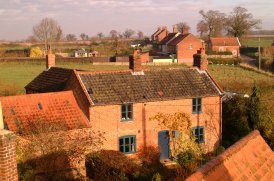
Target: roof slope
167 38
248 159
178 39
157 85
51 80
20 112
225 41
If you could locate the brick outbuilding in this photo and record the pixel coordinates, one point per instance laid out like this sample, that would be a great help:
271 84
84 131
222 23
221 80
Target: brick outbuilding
222 44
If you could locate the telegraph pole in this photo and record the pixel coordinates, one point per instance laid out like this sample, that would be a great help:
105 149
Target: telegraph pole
259 53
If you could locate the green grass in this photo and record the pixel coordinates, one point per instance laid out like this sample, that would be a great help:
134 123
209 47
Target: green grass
254 42
15 75
238 79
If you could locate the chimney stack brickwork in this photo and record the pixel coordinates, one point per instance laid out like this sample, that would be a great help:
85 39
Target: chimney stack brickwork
50 59
200 59
137 63
8 163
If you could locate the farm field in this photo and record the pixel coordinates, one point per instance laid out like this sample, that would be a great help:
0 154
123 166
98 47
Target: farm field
254 41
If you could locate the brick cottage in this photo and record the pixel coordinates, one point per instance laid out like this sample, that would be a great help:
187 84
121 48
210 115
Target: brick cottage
120 103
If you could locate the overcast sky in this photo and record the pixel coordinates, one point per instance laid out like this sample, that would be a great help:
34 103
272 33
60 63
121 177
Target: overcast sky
17 17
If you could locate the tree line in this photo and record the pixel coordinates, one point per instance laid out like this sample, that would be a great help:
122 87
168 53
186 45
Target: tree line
213 23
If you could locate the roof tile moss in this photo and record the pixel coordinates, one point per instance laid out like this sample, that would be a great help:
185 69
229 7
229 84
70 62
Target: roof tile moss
51 80
157 85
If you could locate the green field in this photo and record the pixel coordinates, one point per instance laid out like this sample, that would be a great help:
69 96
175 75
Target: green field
16 75
254 41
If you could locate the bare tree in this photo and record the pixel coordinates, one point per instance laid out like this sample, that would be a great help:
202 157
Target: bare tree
140 34
128 33
113 34
31 39
183 27
52 148
47 31
240 22
71 37
202 28
214 20
100 35
84 36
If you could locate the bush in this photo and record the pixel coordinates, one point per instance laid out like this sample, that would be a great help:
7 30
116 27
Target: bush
235 120
110 165
189 162
36 52
229 61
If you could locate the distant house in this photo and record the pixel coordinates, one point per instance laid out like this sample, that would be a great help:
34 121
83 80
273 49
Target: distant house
222 44
163 44
160 34
120 104
184 46
81 53
248 159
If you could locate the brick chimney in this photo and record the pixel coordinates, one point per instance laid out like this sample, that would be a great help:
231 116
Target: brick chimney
200 59
50 59
8 163
136 63
185 31
175 29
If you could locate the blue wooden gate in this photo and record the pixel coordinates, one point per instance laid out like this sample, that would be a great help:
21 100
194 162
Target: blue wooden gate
163 143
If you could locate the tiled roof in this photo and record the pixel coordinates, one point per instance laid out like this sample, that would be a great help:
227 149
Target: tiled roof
51 80
21 111
120 87
248 159
225 41
167 38
178 39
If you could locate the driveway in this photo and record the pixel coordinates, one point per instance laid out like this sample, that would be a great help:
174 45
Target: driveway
248 60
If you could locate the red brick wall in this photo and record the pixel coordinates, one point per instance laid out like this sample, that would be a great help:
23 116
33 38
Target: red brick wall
108 120
162 35
8 163
227 48
144 57
184 53
74 85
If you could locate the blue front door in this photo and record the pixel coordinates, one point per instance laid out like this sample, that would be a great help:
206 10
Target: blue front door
163 143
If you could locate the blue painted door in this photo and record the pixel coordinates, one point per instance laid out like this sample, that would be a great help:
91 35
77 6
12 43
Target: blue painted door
163 143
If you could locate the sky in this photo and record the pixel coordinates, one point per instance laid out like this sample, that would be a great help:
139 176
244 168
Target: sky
17 17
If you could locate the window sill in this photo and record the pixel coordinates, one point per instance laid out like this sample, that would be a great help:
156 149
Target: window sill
126 120
197 112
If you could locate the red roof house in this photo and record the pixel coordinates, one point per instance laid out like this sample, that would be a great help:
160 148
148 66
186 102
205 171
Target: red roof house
120 104
248 159
221 44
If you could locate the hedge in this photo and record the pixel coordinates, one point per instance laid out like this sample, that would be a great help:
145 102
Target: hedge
230 61
209 52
